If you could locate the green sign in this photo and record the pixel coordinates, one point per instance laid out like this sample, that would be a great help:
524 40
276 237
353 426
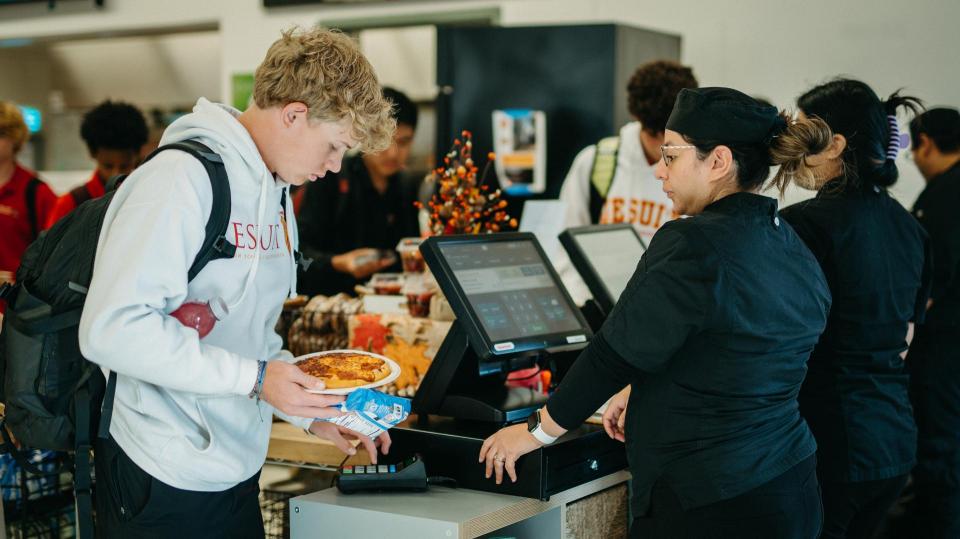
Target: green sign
242 90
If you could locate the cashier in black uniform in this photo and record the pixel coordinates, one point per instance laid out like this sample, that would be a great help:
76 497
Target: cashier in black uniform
934 359
713 333
347 217
873 252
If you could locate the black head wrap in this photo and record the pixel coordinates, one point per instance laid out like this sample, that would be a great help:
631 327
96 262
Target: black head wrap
724 115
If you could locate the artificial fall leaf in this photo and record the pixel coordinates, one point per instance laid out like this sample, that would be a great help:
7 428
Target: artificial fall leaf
369 334
412 359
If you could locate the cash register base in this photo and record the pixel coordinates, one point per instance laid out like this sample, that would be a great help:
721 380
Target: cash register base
450 448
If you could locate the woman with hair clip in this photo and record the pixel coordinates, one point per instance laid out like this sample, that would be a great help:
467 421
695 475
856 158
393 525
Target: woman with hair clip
713 333
873 253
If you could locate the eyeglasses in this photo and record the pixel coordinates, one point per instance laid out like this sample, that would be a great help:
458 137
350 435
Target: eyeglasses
667 159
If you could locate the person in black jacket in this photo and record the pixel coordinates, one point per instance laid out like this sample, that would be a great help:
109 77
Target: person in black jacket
712 333
351 220
934 359
874 254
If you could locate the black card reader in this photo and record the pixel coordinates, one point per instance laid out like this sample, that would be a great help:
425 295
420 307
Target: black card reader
409 475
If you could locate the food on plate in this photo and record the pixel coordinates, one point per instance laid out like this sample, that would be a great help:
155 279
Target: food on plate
345 369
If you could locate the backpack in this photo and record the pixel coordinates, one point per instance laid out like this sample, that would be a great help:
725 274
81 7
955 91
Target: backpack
55 398
602 171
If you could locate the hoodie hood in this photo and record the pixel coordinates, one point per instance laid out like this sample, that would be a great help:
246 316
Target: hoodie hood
217 126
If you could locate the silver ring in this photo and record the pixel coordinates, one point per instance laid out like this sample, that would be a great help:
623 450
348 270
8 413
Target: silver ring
499 459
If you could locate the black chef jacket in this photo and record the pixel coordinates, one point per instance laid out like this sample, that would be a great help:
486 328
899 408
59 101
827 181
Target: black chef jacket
933 364
938 210
713 332
342 212
855 397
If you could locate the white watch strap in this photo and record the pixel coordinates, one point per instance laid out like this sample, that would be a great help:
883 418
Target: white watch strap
542 436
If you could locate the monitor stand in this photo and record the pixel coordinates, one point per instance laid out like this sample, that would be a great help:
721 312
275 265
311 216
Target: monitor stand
594 314
453 385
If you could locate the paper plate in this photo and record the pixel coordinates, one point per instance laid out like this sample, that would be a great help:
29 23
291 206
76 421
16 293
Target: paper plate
394 371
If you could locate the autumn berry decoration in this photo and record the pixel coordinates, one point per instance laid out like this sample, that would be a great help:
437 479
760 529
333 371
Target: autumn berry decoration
463 204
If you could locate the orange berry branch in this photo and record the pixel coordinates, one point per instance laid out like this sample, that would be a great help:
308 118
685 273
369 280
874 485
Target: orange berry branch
463 204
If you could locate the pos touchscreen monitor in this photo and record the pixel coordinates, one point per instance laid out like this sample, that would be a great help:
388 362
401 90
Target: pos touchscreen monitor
605 256
511 310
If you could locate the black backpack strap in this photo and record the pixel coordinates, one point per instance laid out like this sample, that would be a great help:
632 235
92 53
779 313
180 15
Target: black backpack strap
596 205
81 472
215 244
79 194
31 200
39 321
106 406
20 455
114 182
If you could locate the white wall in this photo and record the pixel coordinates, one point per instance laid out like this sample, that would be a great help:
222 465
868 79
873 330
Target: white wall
404 58
152 71
65 78
777 48
24 75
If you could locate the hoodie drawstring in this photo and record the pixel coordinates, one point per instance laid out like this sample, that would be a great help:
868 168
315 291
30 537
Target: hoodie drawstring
290 232
264 189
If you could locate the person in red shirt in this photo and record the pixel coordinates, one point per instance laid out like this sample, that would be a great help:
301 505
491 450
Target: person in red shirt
114 133
25 201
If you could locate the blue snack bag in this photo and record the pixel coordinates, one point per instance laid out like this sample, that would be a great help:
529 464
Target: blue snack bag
372 412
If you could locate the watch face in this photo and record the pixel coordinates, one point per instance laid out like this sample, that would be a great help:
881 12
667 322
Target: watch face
533 421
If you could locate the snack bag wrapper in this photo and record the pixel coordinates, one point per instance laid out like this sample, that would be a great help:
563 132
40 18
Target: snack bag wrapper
371 412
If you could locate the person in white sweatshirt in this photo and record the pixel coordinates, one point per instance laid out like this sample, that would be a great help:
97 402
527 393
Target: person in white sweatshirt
613 181
191 419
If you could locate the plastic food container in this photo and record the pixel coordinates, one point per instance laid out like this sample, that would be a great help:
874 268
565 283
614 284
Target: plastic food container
410 257
419 291
387 284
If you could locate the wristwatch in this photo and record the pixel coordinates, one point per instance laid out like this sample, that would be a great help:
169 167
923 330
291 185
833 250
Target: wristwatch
536 429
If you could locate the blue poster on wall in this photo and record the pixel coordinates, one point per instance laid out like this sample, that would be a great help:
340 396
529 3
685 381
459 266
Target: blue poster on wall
520 141
32 117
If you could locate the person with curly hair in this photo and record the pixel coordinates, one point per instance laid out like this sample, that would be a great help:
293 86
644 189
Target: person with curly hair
613 181
114 133
192 415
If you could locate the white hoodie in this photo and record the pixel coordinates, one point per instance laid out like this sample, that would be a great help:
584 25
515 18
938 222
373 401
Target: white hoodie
636 196
181 411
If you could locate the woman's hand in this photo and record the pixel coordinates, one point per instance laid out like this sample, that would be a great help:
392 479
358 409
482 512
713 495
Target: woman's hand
615 415
502 450
360 263
341 436
285 385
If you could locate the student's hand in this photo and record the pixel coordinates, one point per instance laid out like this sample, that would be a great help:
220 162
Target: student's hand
910 333
360 263
615 415
341 436
501 451
285 385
